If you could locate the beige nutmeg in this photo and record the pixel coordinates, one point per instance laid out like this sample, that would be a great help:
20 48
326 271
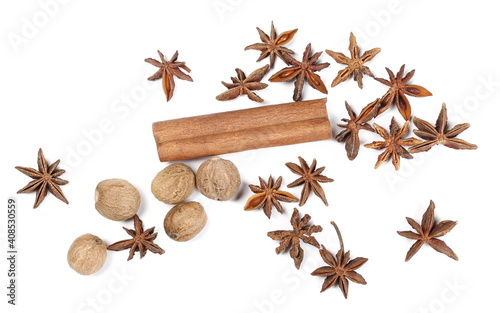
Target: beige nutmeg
87 254
173 184
185 220
218 179
117 199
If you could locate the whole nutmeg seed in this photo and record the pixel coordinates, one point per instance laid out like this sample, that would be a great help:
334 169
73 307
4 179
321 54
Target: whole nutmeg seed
87 254
117 199
218 179
185 220
173 184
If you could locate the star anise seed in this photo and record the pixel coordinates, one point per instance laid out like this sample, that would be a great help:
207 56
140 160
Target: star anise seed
355 64
291 238
167 71
273 45
142 241
44 180
427 233
267 195
243 85
302 72
440 134
393 143
340 267
310 178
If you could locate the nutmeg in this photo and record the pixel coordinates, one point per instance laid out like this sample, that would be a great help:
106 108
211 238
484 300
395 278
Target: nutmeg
218 179
87 254
173 184
185 220
117 199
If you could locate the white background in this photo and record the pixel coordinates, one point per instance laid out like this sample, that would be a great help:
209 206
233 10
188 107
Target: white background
72 70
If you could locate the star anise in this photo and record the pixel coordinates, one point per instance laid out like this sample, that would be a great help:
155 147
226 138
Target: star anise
167 71
427 233
44 180
291 238
142 241
310 177
350 135
340 268
355 64
273 45
441 134
393 143
302 72
267 195
243 85
398 91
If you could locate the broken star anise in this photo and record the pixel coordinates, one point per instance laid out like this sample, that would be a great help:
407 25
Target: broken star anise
302 72
267 195
142 241
243 85
291 238
350 135
427 233
167 71
393 143
440 134
310 177
340 267
273 45
355 64
44 180
398 91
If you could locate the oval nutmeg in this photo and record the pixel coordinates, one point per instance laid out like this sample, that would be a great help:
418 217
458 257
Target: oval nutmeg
185 220
87 254
117 199
173 184
218 179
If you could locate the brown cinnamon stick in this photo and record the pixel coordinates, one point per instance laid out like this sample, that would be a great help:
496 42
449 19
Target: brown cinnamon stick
241 130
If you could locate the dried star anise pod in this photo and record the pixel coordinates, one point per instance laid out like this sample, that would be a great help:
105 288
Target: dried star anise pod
340 268
393 143
398 91
243 85
355 64
267 195
441 134
427 233
44 180
310 177
350 135
291 238
142 241
302 72
273 45
167 71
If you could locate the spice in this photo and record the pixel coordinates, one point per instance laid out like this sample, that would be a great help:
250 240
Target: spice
340 267
218 179
302 72
268 195
427 232
243 85
44 180
142 241
117 199
167 71
273 45
393 143
87 254
350 135
398 91
185 220
291 238
310 178
173 184
355 64
441 134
